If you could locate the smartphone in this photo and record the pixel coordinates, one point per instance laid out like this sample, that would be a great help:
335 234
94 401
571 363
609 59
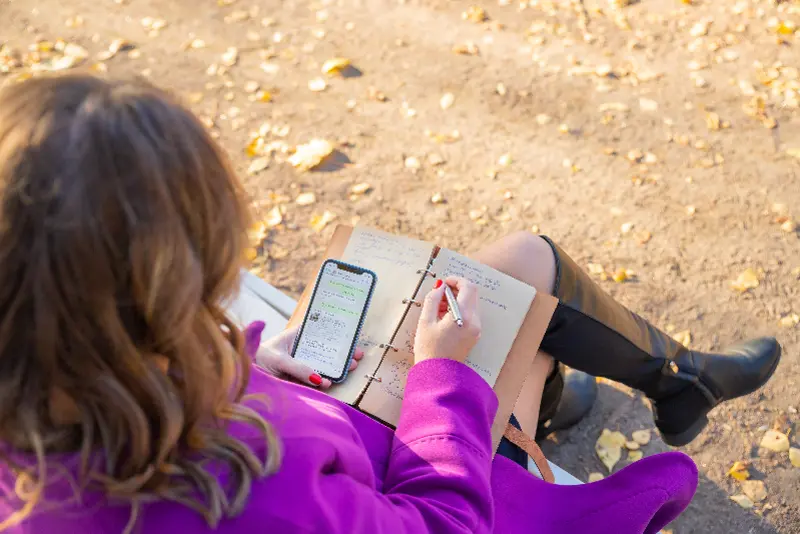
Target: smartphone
336 311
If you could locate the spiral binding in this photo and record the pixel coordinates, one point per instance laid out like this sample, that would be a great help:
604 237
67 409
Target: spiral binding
427 272
412 301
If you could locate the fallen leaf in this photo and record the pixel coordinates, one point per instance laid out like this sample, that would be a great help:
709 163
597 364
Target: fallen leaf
596 268
642 437
794 456
258 165
790 320
412 163
467 49
712 121
739 471
311 154
251 86
447 100
543 119
643 237
684 337
437 198
230 57
336 65
318 222
754 490
742 501
775 441
595 477
360 188
317 85
632 445
635 456
609 448
475 14
504 160
274 217
622 275
789 226
436 159
613 106
114 48
747 280
794 152
305 199
626 227
256 233
250 253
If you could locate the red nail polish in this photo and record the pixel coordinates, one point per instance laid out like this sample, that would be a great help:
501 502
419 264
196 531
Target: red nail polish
315 379
438 284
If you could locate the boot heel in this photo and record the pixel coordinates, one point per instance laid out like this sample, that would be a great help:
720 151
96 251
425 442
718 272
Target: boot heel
685 437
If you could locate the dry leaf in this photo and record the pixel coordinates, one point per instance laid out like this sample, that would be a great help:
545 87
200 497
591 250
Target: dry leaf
635 456
643 237
595 477
437 198
251 87
318 222
754 490
335 65
114 48
626 227
305 199
747 280
467 49
683 337
596 269
794 456
504 160
274 217
622 275
632 445
775 441
790 320
789 226
613 106
609 448
447 100
475 14
739 471
642 437
311 154
543 119
712 121
258 165
317 85
230 57
250 254
742 501
360 188
412 163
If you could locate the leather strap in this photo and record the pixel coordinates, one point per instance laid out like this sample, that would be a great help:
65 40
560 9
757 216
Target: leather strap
524 442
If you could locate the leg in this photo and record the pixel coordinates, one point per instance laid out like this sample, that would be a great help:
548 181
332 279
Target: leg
530 258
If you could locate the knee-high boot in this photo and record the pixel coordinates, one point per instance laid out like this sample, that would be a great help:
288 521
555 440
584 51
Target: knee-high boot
593 333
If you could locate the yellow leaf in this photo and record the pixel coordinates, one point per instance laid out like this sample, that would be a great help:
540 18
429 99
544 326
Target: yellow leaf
257 232
311 154
794 456
622 275
742 501
467 49
447 100
754 490
790 320
335 65
305 199
609 448
595 268
712 121
264 96
747 280
684 337
775 441
632 445
360 188
594 477
274 217
642 437
786 28
258 165
739 471
318 222
437 198
635 456
250 254
504 160
475 14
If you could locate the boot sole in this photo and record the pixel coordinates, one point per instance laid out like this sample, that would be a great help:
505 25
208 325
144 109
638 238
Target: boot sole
687 436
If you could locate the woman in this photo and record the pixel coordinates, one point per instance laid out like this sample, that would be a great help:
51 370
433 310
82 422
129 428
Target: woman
129 403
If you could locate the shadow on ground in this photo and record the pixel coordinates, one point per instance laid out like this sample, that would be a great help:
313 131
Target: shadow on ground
711 511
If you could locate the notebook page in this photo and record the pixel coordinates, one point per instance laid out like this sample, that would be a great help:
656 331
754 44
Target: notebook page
503 304
395 260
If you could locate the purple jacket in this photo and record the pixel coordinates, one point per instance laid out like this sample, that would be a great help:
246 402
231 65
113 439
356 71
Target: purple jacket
344 473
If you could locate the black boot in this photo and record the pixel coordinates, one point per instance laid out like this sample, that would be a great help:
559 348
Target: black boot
592 332
567 397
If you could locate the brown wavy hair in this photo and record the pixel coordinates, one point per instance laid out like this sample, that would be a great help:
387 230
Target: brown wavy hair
122 228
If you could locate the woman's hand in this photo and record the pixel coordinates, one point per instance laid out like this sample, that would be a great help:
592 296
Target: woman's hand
438 335
274 355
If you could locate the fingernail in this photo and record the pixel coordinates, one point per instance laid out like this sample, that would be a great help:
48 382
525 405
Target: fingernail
438 284
315 379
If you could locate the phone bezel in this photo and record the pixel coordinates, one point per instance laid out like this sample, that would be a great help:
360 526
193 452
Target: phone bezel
353 269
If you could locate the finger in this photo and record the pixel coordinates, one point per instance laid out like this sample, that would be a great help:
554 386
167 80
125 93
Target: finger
325 384
353 364
358 354
287 338
252 337
299 371
467 297
430 306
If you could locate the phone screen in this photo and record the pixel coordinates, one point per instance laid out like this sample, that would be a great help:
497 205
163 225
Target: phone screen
328 335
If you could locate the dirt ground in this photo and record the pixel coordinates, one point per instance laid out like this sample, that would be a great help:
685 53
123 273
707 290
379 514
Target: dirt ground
659 137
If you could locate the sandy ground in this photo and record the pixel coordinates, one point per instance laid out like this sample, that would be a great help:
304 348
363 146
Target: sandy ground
639 137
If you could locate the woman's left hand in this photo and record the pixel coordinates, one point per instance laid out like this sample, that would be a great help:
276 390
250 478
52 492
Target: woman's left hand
274 355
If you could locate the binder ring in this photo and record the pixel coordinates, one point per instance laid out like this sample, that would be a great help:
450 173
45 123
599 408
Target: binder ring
427 272
388 346
373 377
412 301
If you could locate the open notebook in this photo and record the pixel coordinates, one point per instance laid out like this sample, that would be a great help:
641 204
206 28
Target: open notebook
513 318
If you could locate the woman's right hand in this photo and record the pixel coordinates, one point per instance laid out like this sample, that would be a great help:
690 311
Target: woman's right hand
438 335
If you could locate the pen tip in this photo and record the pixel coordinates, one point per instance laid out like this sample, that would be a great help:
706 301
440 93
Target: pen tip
460 322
